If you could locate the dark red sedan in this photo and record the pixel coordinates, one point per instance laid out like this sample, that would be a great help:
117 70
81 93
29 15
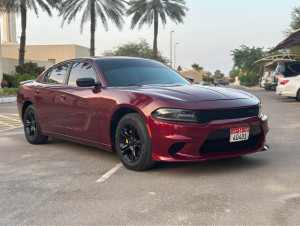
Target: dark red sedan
142 110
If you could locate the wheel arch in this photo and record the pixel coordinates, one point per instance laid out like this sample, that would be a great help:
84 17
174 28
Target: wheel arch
115 119
26 104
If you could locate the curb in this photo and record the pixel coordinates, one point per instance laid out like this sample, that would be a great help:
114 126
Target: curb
8 100
251 88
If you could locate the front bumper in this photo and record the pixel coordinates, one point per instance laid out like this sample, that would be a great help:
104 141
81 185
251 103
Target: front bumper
190 137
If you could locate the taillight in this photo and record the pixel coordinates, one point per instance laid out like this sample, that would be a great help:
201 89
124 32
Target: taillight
279 76
284 82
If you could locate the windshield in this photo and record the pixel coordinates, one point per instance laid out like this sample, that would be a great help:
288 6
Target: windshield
125 72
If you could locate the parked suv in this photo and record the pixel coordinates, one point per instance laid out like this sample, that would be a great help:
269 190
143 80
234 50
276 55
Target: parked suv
286 69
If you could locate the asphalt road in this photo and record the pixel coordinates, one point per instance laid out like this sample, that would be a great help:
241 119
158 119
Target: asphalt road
55 183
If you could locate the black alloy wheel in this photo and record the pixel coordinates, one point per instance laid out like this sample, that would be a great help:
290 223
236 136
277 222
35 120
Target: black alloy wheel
130 143
133 143
298 95
32 127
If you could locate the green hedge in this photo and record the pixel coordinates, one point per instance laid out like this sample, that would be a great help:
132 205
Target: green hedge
14 80
249 80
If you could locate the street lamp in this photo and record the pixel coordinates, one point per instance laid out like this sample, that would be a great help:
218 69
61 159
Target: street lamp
171 46
175 55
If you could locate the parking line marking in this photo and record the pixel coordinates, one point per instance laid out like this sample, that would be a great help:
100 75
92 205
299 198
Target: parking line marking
6 124
109 173
16 120
9 121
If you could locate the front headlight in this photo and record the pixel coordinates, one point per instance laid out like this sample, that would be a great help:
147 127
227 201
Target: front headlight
181 115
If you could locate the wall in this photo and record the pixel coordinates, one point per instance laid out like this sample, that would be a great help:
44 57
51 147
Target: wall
45 52
197 75
8 65
81 51
1 64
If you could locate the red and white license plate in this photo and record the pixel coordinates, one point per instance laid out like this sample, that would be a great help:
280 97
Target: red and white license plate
239 134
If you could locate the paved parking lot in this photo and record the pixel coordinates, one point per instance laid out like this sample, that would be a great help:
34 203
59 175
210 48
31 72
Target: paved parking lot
56 183
9 121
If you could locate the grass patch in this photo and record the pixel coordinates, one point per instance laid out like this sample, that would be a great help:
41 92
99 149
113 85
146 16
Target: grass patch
8 92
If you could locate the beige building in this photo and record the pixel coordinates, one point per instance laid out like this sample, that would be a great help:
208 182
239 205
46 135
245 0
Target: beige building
46 53
43 55
197 75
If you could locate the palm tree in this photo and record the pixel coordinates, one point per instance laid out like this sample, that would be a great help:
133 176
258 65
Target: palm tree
22 6
112 9
196 67
149 11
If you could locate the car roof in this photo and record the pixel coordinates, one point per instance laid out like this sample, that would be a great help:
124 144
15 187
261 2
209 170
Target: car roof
96 58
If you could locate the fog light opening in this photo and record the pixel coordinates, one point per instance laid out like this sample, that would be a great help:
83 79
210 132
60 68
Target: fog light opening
175 148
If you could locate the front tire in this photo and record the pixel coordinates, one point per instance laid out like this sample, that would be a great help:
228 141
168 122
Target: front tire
133 143
32 128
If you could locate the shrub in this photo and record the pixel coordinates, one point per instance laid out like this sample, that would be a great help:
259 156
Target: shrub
29 68
24 77
14 80
10 79
232 80
249 80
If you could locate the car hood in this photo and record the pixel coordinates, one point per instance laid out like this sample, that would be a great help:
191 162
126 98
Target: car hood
191 92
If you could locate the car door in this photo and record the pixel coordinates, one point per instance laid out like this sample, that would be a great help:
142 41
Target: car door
48 98
79 106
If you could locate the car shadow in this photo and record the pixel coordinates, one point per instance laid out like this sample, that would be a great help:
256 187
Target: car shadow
220 166
84 150
283 99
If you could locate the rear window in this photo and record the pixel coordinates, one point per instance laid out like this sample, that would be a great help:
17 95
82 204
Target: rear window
295 67
57 75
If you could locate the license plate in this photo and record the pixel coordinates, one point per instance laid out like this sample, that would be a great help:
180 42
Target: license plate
239 134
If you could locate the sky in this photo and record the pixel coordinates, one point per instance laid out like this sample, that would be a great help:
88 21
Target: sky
211 30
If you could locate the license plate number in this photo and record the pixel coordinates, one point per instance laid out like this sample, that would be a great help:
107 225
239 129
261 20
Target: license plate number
239 134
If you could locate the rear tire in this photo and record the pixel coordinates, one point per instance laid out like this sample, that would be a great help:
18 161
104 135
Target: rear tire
133 143
32 128
298 95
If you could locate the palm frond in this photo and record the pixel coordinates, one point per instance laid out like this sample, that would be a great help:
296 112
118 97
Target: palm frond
142 11
105 9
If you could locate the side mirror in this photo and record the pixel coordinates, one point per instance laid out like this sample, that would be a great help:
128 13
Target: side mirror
87 82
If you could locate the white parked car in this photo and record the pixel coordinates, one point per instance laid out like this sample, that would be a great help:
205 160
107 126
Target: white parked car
263 79
289 87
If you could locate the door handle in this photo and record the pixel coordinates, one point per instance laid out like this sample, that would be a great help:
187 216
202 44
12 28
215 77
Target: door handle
63 97
37 92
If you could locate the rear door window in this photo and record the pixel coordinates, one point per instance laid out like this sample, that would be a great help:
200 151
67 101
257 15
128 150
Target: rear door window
57 75
81 70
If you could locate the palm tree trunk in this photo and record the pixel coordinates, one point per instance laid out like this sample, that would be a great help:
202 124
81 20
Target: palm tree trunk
93 28
23 10
155 34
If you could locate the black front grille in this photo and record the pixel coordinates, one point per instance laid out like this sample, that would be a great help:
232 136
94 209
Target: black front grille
218 141
205 116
